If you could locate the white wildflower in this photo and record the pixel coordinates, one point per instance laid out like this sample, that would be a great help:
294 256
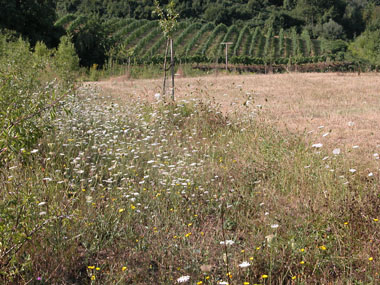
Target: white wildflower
317 145
244 264
336 151
183 279
227 242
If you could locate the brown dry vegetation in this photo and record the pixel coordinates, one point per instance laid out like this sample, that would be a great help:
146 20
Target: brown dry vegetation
125 190
314 104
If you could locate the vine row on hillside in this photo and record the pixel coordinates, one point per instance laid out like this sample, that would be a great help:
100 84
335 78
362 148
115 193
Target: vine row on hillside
123 32
253 41
218 29
227 38
144 41
186 32
239 41
140 31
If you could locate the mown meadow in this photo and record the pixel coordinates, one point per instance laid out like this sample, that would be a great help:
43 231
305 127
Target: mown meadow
114 192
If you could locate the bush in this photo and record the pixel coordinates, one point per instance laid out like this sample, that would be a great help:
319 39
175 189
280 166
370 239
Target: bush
28 92
66 59
332 47
367 47
332 30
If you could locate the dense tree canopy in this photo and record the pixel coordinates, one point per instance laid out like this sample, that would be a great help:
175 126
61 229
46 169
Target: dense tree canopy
345 15
33 19
329 19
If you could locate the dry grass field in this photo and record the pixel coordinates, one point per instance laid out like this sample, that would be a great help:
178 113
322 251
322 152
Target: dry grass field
339 110
223 189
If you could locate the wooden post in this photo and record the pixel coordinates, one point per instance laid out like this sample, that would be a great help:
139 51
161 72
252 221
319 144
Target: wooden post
129 65
166 55
172 65
226 44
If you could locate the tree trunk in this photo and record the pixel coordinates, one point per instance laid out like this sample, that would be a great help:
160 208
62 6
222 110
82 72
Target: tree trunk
166 55
172 65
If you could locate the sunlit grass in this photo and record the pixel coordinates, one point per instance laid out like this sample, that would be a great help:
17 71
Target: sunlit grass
154 193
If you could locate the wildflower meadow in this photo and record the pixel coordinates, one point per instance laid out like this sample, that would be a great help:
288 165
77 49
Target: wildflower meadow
155 192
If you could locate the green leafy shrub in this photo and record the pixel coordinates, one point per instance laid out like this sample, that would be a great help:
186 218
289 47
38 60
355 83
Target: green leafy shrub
366 47
332 47
28 92
332 30
66 59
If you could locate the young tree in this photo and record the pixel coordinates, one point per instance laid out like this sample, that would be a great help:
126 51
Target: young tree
168 23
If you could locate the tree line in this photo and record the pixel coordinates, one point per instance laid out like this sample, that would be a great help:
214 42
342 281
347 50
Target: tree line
355 21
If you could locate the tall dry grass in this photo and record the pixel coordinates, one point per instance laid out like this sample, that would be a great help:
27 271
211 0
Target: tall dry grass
137 192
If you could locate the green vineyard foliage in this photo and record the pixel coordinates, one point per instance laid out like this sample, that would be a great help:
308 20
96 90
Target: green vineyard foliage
228 37
254 41
195 39
239 41
218 29
142 42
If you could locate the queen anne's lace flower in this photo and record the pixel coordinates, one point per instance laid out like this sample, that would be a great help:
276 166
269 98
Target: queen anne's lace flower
227 242
244 264
183 279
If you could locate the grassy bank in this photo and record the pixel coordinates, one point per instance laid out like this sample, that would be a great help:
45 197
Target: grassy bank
145 71
144 193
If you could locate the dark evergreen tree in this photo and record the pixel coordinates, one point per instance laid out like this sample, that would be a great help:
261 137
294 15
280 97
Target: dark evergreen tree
33 19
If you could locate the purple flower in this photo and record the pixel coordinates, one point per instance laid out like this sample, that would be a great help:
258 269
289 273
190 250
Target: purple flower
39 278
